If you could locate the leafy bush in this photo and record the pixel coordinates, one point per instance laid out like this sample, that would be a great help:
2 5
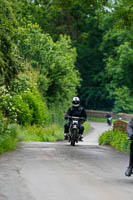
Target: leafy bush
58 79
116 139
37 106
21 83
25 108
15 108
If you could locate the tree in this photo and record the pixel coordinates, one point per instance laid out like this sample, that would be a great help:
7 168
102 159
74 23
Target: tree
79 20
10 63
117 45
123 100
101 32
55 62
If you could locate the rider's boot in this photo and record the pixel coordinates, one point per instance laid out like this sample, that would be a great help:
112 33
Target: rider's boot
65 136
81 138
129 171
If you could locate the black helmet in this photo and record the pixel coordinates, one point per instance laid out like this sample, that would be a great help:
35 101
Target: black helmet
76 101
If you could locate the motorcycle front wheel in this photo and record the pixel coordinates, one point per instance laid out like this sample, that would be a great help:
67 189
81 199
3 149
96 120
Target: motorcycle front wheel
73 137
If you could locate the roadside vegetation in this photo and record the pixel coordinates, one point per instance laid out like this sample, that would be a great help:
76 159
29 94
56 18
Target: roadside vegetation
47 56
36 74
116 139
87 127
51 133
8 135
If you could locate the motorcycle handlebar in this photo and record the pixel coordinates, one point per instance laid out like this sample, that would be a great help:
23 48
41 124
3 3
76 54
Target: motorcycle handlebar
72 117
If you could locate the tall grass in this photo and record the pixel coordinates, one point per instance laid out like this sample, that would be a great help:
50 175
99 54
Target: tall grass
8 138
34 133
51 133
57 116
10 134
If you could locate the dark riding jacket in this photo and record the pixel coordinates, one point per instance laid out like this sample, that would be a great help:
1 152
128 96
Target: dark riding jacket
76 112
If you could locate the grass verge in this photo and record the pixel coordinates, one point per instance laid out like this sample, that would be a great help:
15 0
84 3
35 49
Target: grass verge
14 133
95 119
87 127
49 134
34 133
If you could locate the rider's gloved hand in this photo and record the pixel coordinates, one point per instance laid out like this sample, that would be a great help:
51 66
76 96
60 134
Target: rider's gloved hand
66 117
130 137
82 121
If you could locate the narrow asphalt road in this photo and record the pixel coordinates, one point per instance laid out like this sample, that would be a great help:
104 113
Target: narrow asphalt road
58 171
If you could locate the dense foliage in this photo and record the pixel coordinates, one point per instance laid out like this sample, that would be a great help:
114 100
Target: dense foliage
57 78
10 61
51 51
46 74
116 139
48 134
38 76
101 32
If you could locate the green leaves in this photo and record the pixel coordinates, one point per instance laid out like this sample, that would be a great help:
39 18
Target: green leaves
123 100
55 61
10 62
100 48
124 14
116 139
25 108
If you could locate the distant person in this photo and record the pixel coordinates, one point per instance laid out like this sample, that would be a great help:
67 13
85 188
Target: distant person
75 111
109 118
129 170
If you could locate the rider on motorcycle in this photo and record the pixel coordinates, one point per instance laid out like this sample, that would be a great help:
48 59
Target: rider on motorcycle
76 111
130 137
109 118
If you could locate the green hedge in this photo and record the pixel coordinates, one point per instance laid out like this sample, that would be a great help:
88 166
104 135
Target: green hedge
8 136
116 139
25 108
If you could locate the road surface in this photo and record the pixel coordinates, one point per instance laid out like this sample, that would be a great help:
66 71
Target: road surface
58 171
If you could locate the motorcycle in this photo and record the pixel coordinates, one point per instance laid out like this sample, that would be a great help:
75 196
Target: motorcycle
129 170
74 135
109 121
